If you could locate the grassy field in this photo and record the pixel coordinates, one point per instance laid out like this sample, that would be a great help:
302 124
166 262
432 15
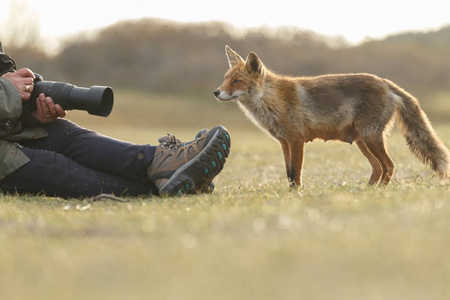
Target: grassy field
253 238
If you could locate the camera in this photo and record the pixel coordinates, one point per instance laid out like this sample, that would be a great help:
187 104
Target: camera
96 100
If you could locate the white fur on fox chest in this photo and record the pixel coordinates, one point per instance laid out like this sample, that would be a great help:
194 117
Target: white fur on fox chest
261 115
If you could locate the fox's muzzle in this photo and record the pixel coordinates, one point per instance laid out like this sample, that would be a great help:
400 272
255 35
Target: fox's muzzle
224 96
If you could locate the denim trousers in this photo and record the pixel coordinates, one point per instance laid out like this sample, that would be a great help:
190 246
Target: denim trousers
74 162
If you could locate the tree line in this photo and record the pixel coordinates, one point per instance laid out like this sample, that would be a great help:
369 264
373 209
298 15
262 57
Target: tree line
163 56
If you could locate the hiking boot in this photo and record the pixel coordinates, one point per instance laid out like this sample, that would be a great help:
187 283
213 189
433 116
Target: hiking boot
168 139
189 168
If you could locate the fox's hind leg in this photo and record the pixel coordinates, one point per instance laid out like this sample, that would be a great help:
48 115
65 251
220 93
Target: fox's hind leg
377 171
376 146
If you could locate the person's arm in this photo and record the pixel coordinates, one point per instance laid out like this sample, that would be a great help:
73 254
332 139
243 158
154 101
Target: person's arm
10 108
46 111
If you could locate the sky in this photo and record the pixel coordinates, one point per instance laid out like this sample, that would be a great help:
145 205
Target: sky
355 20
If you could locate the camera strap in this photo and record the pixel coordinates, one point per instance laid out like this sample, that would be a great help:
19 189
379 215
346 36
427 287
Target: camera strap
7 64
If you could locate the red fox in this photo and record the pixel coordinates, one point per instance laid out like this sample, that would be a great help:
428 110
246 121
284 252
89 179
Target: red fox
347 107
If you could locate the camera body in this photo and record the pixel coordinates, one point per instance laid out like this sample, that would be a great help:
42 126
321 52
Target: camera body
96 100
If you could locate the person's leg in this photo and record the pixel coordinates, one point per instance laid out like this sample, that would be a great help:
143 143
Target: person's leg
190 173
53 174
94 150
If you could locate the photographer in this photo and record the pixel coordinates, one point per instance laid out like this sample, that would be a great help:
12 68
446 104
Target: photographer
40 152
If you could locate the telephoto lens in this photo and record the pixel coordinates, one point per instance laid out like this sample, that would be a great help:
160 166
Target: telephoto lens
96 100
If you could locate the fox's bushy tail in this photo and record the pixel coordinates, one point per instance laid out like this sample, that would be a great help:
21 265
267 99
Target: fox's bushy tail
420 136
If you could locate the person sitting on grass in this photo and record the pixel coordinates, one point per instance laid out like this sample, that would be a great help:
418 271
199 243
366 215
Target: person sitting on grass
42 153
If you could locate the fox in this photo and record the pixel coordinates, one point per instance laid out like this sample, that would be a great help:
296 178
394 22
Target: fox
355 107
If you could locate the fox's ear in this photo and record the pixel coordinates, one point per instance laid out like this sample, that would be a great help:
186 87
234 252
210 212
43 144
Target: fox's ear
233 57
254 64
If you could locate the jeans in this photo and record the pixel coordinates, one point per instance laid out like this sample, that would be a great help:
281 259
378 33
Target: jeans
74 162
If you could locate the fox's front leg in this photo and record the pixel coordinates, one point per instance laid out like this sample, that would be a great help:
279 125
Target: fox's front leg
296 149
287 155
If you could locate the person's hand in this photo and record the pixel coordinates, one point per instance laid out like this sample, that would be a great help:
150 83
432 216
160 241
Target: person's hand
23 80
46 110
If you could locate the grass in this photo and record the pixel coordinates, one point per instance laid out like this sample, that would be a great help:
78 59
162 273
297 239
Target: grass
253 238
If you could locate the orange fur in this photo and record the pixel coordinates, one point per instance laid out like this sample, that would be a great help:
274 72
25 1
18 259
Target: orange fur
351 108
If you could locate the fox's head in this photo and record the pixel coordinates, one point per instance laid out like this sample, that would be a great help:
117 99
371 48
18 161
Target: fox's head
244 80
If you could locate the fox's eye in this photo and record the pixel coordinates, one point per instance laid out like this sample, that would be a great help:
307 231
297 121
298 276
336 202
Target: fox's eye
236 81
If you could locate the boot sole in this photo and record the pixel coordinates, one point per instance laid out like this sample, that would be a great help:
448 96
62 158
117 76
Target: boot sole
195 176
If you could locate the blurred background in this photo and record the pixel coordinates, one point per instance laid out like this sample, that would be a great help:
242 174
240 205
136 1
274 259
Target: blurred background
165 60
253 238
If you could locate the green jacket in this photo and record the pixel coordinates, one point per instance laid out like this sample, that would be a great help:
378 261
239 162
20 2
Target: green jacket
11 130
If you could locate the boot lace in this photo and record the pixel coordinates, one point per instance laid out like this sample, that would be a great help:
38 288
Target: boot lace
171 142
